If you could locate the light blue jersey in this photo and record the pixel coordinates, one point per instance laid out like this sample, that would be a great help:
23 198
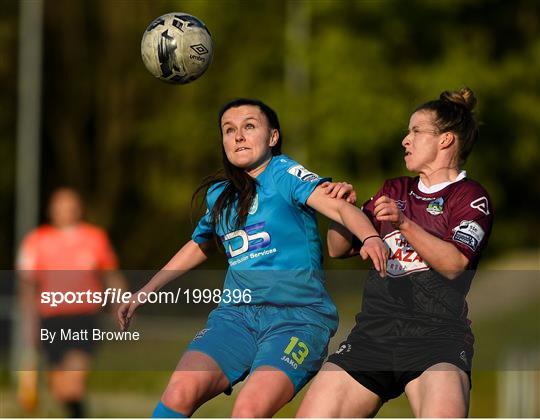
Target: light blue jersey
277 255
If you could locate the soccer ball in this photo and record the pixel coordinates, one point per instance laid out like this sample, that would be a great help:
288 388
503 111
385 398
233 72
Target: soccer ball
177 48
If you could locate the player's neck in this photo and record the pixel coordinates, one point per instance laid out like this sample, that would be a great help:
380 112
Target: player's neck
259 168
432 177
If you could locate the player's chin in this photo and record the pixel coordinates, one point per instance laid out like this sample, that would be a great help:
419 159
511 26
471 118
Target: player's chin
244 160
241 163
410 165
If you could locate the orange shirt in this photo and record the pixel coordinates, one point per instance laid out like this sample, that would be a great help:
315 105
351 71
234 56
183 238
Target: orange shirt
66 260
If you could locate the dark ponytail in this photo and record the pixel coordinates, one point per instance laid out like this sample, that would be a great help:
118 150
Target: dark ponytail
234 202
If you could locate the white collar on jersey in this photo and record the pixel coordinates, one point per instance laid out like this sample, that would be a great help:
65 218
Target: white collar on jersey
438 187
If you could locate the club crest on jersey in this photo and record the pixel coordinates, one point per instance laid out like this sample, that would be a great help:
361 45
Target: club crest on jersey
468 233
254 204
300 172
435 207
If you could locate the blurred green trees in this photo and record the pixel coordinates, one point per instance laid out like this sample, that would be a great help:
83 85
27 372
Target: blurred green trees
344 77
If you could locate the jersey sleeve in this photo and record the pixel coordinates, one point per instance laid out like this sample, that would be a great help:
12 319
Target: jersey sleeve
470 222
294 182
203 232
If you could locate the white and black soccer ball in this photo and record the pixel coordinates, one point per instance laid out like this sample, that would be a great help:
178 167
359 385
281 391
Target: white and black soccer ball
177 48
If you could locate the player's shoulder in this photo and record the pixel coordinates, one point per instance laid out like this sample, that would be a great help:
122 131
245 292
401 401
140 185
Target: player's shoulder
214 191
468 188
473 193
471 185
283 164
217 187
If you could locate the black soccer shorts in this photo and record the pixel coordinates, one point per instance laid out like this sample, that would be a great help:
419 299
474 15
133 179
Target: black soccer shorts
386 366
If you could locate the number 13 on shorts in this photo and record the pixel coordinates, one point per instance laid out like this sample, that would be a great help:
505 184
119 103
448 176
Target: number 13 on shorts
300 350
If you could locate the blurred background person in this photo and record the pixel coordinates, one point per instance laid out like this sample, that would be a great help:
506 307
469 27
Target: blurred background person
66 255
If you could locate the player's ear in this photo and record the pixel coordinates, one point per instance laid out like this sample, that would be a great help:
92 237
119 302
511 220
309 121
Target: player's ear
447 139
274 137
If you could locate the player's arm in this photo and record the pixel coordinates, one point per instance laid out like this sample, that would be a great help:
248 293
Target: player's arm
340 241
441 255
338 238
355 221
190 256
187 258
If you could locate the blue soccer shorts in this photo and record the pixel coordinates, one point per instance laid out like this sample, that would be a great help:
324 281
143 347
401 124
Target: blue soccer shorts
243 338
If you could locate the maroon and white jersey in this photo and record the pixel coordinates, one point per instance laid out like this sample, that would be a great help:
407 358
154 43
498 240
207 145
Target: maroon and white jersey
458 212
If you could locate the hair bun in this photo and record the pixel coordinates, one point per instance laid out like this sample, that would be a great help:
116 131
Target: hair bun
464 97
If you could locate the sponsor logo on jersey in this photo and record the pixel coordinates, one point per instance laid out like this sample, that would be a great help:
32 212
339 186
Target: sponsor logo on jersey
250 238
481 204
469 233
419 197
344 348
300 172
254 205
289 361
201 333
401 204
435 207
463 356
403 258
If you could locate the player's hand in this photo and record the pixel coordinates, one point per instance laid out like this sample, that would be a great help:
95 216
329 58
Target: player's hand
387 210
375 248
127 310
340 190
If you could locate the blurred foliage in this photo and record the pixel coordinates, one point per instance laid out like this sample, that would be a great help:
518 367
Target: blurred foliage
344 77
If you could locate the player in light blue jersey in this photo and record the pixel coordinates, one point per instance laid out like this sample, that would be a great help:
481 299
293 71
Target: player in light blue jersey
275 317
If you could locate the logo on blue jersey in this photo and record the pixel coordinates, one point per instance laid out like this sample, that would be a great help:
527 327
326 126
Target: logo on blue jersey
300 172
248 239
254 204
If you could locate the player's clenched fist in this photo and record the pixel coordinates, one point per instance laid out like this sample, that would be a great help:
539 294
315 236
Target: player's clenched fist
386 210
